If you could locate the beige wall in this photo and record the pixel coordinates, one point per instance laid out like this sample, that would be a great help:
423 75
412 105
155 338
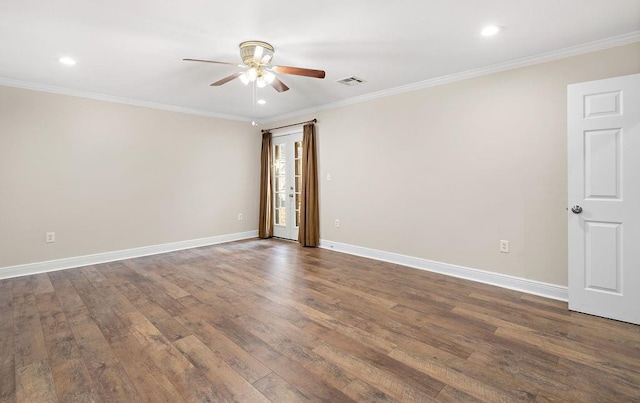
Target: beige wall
442 173
108 177
445 173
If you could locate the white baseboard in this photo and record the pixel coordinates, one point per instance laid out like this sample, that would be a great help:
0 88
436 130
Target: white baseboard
501 280
78 261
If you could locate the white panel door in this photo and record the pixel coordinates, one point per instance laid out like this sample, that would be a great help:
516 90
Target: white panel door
287 180
604 197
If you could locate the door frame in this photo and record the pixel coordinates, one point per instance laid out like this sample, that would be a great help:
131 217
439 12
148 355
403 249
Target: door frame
290 230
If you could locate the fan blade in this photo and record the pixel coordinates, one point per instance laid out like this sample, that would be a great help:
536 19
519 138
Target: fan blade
213 61
226 79
299 71
279 85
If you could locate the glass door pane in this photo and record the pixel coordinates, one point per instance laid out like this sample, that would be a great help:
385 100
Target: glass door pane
287 181
280 188
298 179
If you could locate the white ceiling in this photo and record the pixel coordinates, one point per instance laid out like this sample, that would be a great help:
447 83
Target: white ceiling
133 49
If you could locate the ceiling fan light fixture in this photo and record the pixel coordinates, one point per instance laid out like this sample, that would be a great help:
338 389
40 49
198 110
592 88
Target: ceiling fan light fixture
257 53
251 74
268 76
256 59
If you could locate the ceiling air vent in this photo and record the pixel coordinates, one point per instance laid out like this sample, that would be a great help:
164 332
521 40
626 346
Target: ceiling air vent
351 81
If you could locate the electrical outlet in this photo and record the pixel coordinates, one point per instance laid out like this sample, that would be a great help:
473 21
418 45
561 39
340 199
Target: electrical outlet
504 246
328 177
50 237
239 216
336 223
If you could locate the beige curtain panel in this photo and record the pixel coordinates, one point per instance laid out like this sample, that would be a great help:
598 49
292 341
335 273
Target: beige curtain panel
309 229
265 226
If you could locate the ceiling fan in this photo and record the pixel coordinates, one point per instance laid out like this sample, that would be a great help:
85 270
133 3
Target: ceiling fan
256 58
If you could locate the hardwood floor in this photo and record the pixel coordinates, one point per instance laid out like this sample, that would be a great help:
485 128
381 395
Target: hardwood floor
269 320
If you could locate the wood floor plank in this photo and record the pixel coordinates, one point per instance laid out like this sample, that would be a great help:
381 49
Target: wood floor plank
230 384
7 366
625 367
559 345
289 370
492 343
7 359
329 321
6 303
152 291
573 325
188 381
34 382
70 374
343 290
170 288
551 382
160 318
29 343
260 320
361 391
452 395
150 382
384 325
468 384
309 385
104 368
408 371
603 384
277 389
42 284
107 291
33 376
240 360
148 379
293 344
387 382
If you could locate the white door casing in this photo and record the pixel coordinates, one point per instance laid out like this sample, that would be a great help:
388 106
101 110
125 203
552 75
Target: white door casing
287 180
604 197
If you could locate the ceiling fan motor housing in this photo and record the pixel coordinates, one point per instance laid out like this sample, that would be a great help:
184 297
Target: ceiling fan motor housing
256 53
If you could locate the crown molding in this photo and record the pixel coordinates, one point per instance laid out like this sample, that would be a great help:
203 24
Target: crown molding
28 85
465 75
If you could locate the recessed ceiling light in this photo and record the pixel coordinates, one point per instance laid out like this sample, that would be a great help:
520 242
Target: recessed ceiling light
490 30
67 61
262 101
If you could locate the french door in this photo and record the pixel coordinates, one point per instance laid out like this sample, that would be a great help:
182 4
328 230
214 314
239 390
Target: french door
287 172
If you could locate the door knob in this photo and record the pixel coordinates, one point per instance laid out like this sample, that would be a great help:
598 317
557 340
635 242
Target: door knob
576 209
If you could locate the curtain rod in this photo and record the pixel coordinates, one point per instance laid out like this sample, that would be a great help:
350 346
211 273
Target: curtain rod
293 124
